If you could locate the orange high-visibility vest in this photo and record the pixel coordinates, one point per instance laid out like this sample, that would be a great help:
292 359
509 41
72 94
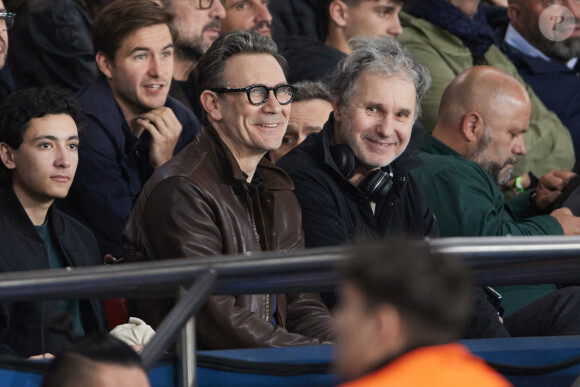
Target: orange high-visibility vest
450 365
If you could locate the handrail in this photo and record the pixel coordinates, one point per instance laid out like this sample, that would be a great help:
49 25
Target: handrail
494 260
186 307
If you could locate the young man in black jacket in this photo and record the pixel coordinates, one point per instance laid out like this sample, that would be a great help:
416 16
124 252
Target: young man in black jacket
39 142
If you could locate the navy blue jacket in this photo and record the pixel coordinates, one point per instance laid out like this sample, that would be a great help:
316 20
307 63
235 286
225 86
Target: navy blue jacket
310 60
555 84
114 164
24 323
334 211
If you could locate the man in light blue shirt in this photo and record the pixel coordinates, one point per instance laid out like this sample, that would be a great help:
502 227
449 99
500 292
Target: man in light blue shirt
550 67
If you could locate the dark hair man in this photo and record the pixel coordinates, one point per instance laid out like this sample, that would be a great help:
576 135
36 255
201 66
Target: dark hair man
310 109
198 24
249 15
39 142
221 196
476 142
133 126
99 360
550 66
314 60
399 313
6 22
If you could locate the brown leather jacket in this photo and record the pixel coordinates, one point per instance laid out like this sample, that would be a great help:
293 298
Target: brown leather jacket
199 204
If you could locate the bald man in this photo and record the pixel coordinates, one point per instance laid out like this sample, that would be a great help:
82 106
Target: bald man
476 142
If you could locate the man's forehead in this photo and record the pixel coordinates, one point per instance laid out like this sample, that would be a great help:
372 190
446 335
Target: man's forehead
257 68
383 2
141 37
380 79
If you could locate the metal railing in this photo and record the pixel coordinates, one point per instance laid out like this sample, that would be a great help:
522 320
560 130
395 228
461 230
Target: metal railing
494 261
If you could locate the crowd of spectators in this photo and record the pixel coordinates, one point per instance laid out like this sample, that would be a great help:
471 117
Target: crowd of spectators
148 130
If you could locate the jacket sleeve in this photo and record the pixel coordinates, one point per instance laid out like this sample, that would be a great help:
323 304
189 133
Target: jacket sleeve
57 47
171 232
467 203
308 316
100 192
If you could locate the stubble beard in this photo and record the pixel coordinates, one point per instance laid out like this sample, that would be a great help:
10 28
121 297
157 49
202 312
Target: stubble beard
498 172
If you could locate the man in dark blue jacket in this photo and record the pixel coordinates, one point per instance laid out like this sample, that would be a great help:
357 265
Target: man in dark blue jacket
39 150
134 126
550 66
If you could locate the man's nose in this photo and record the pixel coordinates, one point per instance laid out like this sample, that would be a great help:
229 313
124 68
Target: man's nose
262 13
217 10
520 146
395 29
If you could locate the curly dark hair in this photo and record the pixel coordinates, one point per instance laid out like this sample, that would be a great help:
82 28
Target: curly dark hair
21 106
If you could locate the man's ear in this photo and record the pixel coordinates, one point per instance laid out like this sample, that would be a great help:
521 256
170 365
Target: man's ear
338 12
472 126
514 13
104 64
7 155
211 104
390 327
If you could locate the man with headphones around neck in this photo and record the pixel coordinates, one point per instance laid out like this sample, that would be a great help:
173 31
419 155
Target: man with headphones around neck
352 178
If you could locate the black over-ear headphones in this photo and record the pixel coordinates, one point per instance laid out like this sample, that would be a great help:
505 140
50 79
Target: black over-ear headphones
375 186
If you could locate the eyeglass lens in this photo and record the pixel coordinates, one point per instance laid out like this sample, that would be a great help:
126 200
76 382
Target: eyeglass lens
259 94
205 4
6 20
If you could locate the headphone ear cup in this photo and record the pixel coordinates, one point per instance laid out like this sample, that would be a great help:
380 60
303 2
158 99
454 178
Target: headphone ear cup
344 159
377 185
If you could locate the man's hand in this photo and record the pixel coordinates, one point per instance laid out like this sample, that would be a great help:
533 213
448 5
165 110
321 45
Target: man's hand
510 186
165 129
550 187
43 356
570 223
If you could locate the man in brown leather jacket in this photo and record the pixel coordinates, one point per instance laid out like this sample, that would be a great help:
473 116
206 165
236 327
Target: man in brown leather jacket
221 196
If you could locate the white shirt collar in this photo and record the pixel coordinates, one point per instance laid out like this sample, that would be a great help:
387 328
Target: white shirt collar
514 39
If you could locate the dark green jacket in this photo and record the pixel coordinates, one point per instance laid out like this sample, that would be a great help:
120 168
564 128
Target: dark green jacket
467 202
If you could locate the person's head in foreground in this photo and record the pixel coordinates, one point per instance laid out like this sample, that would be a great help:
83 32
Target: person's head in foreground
396 298
100 360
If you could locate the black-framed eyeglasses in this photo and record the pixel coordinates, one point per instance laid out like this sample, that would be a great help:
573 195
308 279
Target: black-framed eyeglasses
205 4
258 94
6 20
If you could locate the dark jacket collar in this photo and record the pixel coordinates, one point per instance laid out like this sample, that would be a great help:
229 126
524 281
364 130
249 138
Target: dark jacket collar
535 65
17 216
273 178
431 145
404 164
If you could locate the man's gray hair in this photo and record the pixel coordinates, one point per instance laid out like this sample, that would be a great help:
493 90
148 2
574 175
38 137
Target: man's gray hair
380 55
210 69
307 90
